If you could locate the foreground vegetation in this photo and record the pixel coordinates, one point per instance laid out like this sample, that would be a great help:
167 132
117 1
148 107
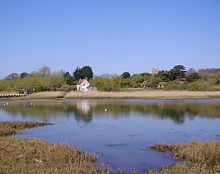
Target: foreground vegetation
199 157
9 128
35 156
18 155
176 78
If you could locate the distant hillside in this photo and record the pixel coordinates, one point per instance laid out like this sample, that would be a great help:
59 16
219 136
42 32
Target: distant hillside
107 75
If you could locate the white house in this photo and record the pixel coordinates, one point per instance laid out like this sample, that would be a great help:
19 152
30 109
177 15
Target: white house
83 85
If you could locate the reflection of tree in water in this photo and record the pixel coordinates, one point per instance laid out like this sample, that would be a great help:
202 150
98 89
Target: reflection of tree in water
166 112
85 110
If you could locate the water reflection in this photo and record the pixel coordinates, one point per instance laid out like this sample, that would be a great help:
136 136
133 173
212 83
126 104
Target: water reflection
85 110
120 130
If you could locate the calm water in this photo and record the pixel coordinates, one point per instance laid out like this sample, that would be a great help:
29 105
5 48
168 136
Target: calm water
121 131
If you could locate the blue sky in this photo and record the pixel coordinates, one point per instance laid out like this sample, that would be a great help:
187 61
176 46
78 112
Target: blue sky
112 36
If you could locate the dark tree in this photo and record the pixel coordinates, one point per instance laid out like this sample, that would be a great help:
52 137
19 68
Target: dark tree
76 74
145 74
126 75
193 76
24 74
177 72
82 73
66 74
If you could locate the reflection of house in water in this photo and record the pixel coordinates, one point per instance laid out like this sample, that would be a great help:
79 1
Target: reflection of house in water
83 106
84 110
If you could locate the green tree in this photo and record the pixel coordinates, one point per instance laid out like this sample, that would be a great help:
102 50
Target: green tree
137 80
153 81
117 82
102 83
69 80
192 77
164 75
145 75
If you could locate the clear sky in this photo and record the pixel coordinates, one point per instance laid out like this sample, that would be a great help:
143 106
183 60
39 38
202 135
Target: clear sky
112 36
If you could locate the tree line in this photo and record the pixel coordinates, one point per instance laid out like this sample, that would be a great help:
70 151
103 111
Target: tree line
176 78
45 80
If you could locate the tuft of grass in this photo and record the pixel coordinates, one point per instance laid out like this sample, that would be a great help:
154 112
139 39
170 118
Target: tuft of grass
198 157
186 168
8 128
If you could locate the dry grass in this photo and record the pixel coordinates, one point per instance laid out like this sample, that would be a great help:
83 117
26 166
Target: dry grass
145 94
35 156
142 94
29 156
187 168
46 95
199 157
9 128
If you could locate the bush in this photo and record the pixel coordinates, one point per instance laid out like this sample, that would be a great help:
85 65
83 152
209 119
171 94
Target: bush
199 85
37 82
193 77
176 86
107 83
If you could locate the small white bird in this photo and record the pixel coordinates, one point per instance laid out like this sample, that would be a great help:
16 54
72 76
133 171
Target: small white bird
106 110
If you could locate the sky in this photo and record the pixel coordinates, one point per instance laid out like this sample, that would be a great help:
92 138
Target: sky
112 36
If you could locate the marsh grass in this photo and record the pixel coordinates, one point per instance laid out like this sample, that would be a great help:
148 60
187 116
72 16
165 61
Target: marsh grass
146 94
9 128
27 156
198 157
36 156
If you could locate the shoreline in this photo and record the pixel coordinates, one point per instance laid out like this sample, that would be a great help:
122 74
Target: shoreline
163 95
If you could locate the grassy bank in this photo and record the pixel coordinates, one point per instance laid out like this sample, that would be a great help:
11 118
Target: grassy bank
36 156
144 94
157 94
9 128
46 95
198 157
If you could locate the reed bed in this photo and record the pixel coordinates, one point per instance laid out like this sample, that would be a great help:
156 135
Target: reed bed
9 128
198 157
28 156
